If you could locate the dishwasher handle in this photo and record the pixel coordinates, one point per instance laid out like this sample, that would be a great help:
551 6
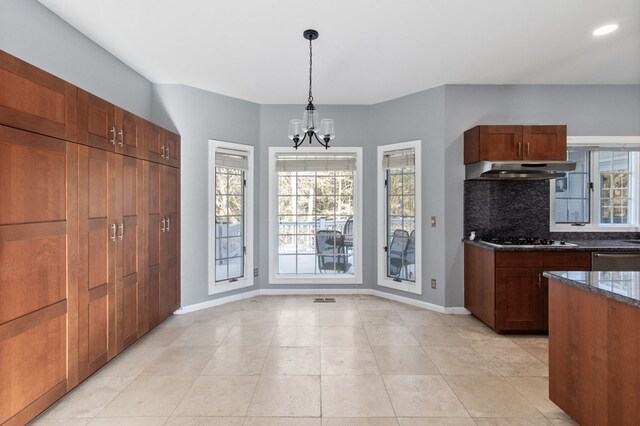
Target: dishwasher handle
617 255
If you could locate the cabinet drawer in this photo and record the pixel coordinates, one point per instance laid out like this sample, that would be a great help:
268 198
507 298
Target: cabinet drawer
518 258
568 259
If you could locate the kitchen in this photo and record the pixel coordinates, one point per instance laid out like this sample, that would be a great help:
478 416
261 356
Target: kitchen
436 116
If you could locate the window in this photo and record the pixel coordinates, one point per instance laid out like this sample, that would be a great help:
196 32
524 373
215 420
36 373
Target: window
230 217
399 213
602 193
315 206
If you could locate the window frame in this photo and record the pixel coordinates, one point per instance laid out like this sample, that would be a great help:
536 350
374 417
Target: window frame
274 277
247 279
594 224
414 287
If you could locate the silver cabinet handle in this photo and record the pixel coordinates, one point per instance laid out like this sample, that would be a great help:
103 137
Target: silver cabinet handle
162 151
164 222
121 133
168 223
617 255
113 232
168 146
113 135
121 236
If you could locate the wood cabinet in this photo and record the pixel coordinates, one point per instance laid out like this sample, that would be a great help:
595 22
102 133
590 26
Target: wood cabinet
506 289
515 143
162 146
78 194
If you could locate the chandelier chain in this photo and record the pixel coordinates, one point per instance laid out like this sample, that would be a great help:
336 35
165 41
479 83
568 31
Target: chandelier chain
310 70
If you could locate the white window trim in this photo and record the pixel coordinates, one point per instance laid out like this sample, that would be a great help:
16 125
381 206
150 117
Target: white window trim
383 280
247 279
595 226
274 277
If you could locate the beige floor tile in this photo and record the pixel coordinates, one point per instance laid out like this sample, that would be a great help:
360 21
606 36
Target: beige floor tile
563 422
398 306
423 396
536 391
428 336
161 337
526 342
396 335
435 421
131 362
236 360
403 360
149 396
296 336
286 396
343 336
423 317
355 396
340 318
249 336
341 304
265 303
183 320
380 318
365 421
512 422
540 354
513 361
203 335
348 360
300 318
89 398
259 319
370 303
128 421
484 336
283 421
43 421
212 316
180 361
459 361
205 421
491 396
456 320
292 361
218 396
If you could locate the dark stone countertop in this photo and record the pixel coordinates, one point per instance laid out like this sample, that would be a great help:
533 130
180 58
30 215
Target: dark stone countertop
582 245
623 286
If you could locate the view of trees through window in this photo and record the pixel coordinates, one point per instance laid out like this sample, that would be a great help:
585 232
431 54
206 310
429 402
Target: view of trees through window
614 187
229 223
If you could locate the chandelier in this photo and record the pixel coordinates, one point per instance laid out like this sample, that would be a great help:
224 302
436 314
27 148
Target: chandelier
311 125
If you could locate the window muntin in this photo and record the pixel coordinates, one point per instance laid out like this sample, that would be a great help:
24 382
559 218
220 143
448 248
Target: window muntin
401 222
229 223
315 210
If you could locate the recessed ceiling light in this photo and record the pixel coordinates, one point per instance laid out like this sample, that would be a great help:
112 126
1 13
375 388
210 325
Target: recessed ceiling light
606 29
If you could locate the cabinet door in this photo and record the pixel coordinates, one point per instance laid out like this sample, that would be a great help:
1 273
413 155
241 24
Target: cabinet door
501 143
129 250
154 142
155 229
130 134
96 270
37 276
172 148
544 143
96 122
34 100
518 299
169 279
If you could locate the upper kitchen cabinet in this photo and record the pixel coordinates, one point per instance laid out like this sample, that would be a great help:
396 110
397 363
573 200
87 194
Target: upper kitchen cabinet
130 134
162 145
515 143
34 100
96 122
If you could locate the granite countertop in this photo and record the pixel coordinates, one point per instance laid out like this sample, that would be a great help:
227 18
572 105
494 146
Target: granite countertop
581 245
623 286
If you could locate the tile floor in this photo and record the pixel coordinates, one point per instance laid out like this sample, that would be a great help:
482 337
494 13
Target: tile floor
283 360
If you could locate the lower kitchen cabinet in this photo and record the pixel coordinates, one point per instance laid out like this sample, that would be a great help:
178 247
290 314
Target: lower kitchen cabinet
506 290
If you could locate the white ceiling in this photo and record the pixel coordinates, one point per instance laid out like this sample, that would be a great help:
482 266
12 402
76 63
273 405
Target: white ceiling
369 50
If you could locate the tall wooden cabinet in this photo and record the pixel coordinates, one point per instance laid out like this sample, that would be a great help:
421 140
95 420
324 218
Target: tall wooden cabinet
89 235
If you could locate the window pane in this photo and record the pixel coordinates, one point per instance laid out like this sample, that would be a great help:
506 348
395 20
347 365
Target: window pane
235 184
325 205
222 248
285 206
307 264
306 244
286 264
287 244
572 193
344 185
234 205
304 205
325 185
395 184
236 267
221 205
221 270
614 169
235 227
305 186
285 185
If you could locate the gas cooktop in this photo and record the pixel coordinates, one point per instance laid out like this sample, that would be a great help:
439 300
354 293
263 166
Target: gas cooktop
525 242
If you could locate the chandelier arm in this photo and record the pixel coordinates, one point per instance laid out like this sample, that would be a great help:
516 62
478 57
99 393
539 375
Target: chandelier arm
321 141
299 142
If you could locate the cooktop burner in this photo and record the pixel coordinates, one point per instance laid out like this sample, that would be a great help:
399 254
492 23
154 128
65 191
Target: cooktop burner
525 242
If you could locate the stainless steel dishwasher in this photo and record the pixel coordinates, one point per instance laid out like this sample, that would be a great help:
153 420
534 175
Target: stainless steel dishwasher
615 261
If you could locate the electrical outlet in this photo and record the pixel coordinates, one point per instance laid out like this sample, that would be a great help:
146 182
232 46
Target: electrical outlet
433 221
255 272
433 283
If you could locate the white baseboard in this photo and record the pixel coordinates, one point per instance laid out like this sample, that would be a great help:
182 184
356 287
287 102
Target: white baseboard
285 292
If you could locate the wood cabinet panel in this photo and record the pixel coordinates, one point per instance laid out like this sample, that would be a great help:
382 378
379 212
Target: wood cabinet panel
34 100
563 259
98 327
96 122
154 143
544 142
130 134
172 149
33 354
479 283
518 258
32 173
519 307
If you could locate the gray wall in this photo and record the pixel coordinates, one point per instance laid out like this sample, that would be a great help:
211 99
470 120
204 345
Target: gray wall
199 116
33 33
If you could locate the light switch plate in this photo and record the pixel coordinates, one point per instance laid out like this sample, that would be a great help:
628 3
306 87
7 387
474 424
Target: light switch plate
255 272
433 283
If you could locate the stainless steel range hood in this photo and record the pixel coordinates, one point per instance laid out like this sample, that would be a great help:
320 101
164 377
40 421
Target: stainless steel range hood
518 170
